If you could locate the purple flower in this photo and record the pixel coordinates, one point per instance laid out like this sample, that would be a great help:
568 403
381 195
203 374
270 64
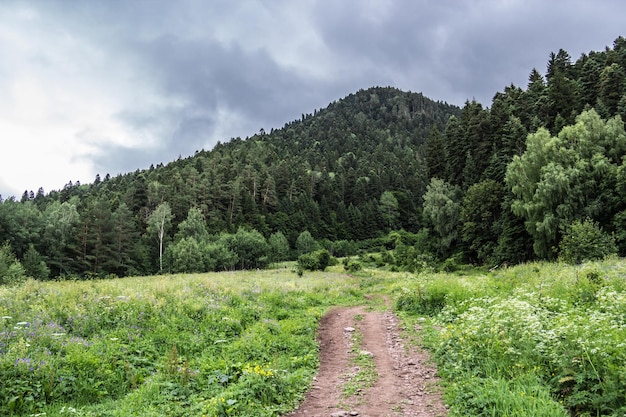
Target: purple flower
22 360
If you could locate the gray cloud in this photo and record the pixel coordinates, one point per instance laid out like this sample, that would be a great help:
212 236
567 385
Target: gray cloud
169 78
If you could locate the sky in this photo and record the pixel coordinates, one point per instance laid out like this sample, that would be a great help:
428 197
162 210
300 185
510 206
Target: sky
109 87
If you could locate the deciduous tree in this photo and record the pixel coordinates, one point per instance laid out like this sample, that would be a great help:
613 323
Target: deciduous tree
159 223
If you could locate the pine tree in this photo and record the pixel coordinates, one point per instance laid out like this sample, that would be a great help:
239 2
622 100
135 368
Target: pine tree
435 154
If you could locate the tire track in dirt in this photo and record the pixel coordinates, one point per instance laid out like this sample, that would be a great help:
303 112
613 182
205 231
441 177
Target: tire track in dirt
406 383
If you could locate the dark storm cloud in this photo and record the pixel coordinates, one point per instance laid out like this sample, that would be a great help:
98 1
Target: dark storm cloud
210 75
183 61
210 80
185 74
456 51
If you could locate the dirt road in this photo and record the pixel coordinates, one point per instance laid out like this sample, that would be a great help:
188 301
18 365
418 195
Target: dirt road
406 384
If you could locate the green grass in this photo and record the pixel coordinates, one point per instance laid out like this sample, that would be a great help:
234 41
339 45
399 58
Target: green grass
536 339
182 345
365 375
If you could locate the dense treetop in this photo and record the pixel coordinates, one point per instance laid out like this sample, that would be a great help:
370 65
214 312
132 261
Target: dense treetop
482 184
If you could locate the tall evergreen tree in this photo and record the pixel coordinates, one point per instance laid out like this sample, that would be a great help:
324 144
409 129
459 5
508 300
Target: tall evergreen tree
125 240
436 154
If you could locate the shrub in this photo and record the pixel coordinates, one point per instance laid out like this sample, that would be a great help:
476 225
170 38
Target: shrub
585 241
423 300
11 270
314 261
351 265
307 262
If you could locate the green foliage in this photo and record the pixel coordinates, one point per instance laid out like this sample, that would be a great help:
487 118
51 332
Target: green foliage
389 209
351 265
250 247
536 339
218 256
306 243
278 247
480 212
11 270
442 206
164 345
314 261
342 248
34 265
187 255
567 177
357 169
413 252
194 226
585 241
498 396
432 294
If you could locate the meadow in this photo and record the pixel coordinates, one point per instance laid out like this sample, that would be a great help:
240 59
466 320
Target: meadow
541 339
240 343
533 340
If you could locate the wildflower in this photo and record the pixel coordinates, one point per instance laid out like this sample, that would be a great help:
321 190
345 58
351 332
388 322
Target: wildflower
258 370
22 360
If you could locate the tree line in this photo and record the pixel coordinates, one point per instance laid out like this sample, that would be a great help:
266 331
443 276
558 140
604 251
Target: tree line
505 183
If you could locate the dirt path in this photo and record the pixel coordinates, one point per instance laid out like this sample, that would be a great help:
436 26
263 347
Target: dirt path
406 383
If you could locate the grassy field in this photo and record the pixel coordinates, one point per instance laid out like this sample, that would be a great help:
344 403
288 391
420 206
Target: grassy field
535 339
240 343
532 340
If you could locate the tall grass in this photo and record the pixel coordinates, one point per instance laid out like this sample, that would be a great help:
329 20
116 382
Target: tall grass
182 345
536 339
540 339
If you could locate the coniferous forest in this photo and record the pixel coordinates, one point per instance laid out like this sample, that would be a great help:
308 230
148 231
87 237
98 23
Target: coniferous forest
539 173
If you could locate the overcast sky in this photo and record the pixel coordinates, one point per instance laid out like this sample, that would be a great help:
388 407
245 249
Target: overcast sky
111 86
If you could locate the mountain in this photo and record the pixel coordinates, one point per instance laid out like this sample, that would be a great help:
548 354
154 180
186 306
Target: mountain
450 183
342 157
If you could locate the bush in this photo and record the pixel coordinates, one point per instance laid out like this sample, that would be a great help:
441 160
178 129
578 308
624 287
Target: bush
314 261
11 270
422 300
452 263
585 241
218 257
351 265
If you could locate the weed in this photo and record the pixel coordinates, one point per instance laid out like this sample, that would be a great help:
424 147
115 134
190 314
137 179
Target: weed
539 339
164 345
363 363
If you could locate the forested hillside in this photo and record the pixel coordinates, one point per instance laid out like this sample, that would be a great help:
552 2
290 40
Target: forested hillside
538 168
